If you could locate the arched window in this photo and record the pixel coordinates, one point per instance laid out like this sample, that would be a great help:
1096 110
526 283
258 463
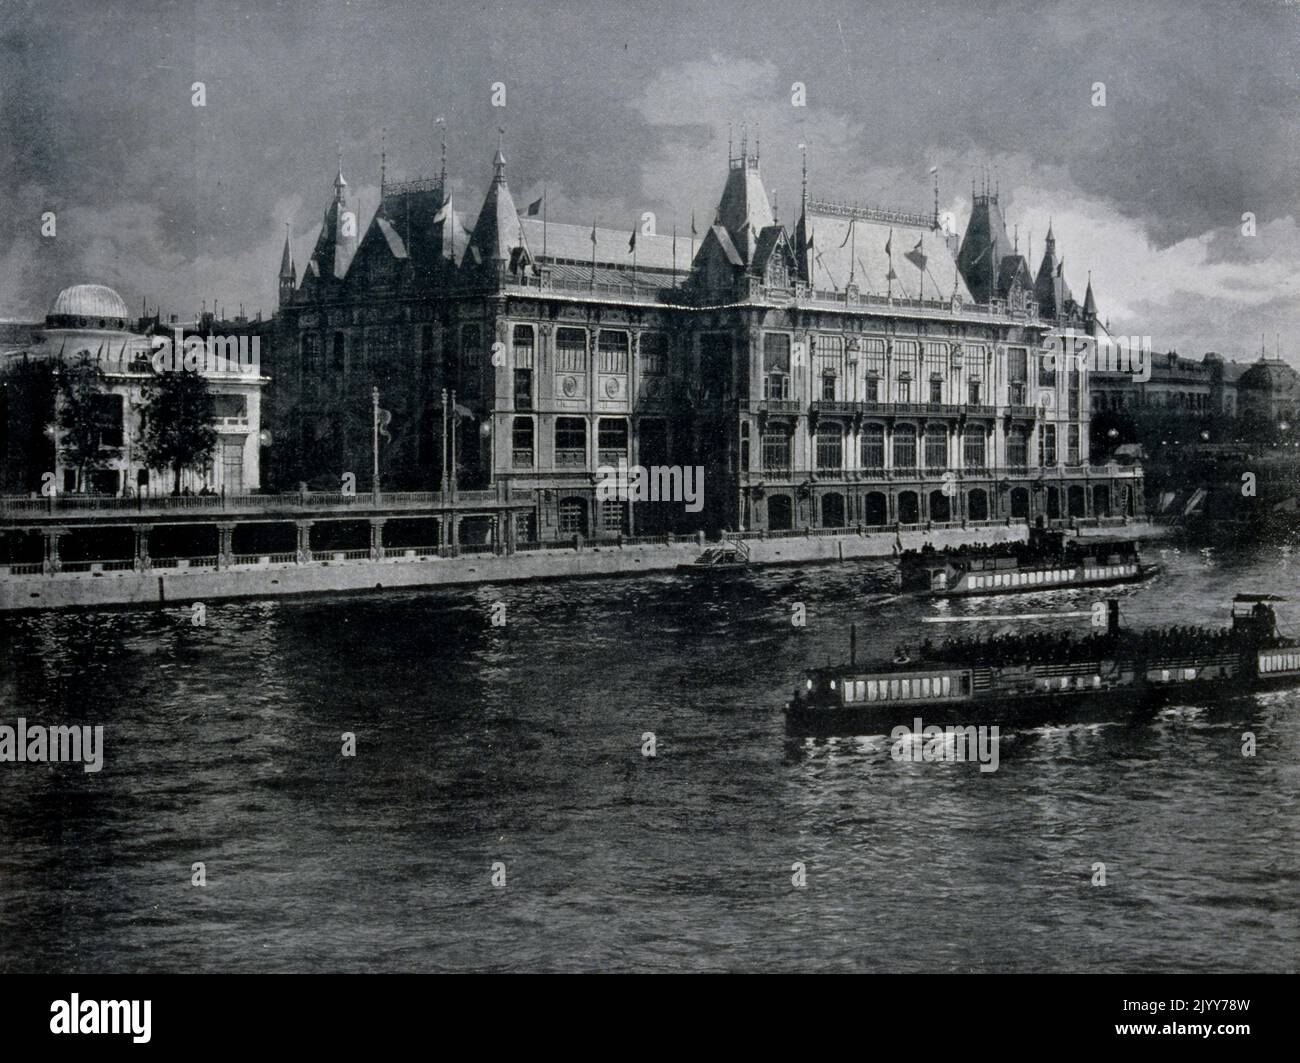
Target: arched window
904 446
1018 447
776 449
830 447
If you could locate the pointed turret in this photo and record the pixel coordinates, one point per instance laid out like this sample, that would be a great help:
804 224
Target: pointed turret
338 238
1089 303
498 231
744 210
1046 282
288 272
983 247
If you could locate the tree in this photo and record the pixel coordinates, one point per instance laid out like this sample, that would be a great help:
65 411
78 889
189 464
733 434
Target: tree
81 417
27 402
177 423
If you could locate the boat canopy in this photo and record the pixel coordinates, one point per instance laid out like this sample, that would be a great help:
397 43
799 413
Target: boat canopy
1258 598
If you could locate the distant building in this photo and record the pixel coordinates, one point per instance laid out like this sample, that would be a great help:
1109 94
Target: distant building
1268 389
847 370
93 320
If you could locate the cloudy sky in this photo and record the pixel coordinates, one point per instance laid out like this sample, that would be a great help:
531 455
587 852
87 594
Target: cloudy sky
620 107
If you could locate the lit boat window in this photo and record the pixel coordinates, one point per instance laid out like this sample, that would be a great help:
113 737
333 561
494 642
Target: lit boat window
925 688
871 690
907 688
859 690
947 685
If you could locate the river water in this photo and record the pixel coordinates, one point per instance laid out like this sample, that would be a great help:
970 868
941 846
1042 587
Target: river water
522 745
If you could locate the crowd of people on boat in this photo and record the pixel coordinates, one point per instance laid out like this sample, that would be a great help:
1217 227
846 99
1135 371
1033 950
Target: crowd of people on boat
1049 647
1025 553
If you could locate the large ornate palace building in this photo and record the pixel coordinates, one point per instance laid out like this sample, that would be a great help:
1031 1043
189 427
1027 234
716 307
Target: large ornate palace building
859 369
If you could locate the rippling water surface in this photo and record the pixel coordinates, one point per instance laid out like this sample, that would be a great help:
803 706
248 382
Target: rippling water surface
522 744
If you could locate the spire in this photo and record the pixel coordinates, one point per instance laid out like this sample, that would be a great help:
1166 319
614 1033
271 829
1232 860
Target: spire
286 259
802 230
499 160
383 161
442 171
744 210
337 242
1050 290
1089 303
498 230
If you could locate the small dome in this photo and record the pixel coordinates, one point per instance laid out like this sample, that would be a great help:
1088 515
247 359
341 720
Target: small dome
1270 375
90 301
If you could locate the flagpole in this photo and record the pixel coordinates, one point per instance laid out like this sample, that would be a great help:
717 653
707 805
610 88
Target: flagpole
374 407
674 254
634 260
889 244
455 416
543 221
593 254
442 483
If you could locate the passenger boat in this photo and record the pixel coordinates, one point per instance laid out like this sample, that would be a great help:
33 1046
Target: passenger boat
1049 677
730 556
1045 562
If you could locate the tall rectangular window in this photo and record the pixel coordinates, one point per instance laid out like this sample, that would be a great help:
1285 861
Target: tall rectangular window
936 369
830 447
1072 444
654 354
776 450
873 446
904 446
936 447
1074 393
1018 447
828 366
570 441
1017 375
776 366
522 443
973 447
1046 373
612 346
973 392
524 339
571 350
1047 446
611 440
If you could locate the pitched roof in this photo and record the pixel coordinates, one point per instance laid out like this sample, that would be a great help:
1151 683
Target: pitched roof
831 248
560 240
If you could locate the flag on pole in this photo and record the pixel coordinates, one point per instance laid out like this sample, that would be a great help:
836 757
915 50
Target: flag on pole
889 245
593 234
631 244
443 211
693 229
534 208
385 419
916 256
852 222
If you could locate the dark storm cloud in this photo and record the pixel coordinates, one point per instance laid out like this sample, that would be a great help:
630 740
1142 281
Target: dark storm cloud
621 107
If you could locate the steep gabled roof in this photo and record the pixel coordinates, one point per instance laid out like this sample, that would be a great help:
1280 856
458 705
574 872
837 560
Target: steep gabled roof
497 231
